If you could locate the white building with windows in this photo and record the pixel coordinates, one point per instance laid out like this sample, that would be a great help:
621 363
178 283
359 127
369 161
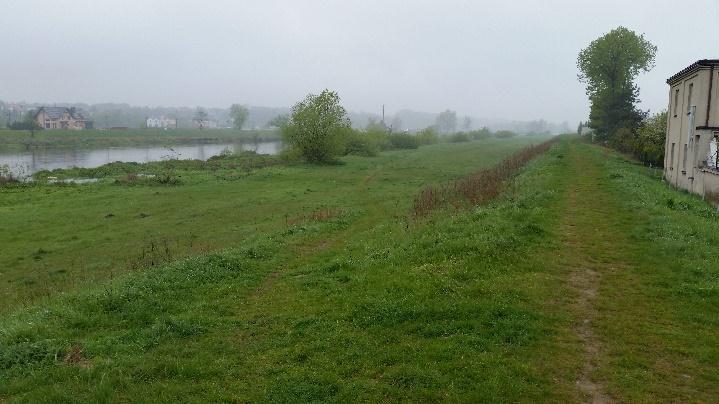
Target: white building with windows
691 160
161 122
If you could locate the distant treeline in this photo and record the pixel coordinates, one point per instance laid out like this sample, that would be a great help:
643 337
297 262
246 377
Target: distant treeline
376 137
108 115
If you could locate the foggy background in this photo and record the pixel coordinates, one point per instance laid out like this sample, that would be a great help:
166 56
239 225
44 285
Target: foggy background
487 59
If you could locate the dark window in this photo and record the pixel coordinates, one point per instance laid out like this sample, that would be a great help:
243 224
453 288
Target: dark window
671 162
689 98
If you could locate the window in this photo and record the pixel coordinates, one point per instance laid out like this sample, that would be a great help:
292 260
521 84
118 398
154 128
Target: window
684 161
676 101
689 98
695 146
671 161
47 126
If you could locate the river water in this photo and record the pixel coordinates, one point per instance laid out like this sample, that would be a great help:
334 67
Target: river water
26 163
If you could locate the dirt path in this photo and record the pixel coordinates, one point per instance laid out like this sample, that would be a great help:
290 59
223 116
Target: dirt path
590 249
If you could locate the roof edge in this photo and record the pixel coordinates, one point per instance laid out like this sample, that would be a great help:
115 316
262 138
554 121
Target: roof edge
692 68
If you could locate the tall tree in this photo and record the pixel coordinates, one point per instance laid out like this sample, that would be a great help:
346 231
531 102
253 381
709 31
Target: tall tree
318 127
609 66
446 121
28 123
239 114
615 117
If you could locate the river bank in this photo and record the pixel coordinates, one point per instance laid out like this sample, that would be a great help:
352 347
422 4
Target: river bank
26 163
15 140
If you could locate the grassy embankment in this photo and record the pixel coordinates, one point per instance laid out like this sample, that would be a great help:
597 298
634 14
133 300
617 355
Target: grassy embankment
21 140
588 271
59 237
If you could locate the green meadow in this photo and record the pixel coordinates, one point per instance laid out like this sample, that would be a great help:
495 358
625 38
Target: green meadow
250 279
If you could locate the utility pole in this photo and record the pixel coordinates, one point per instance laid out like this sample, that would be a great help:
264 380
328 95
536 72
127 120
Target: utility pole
382 114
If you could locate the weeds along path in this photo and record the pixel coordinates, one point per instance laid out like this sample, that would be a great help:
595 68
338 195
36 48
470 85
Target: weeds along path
591 247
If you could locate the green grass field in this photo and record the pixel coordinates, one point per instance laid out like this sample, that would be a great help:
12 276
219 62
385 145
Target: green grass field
587 279
20 140
64 236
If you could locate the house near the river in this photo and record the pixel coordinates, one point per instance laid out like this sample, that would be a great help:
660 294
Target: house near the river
204 124
161 122
691 160
62 118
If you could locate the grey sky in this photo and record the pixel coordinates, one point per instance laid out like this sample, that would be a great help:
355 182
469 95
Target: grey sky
491 59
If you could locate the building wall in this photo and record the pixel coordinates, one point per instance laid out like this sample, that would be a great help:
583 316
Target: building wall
64 122
687 148
162 122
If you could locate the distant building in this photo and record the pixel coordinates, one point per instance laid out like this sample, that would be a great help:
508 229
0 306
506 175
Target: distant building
204 124
62 118
691 160
161 122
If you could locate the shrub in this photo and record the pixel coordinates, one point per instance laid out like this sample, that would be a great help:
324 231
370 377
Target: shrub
427 136
458 137
361 144
651 135
166 179
6 176
623 139
380 138
403 141
318 127
480 134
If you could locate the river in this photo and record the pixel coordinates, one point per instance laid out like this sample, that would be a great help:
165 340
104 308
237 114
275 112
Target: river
26 163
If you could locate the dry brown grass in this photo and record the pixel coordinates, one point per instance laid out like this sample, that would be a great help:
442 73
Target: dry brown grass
477 188
76 356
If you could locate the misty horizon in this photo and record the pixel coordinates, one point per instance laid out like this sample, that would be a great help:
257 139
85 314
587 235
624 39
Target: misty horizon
507 64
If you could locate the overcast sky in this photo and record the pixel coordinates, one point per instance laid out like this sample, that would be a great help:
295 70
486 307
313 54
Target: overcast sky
490 59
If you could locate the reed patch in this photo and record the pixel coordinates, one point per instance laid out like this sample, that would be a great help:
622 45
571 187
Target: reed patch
477 188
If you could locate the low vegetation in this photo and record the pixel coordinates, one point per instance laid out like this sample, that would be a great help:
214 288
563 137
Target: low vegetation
319 130
239 163
341 298
217 203
7 177
459 137
479 187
